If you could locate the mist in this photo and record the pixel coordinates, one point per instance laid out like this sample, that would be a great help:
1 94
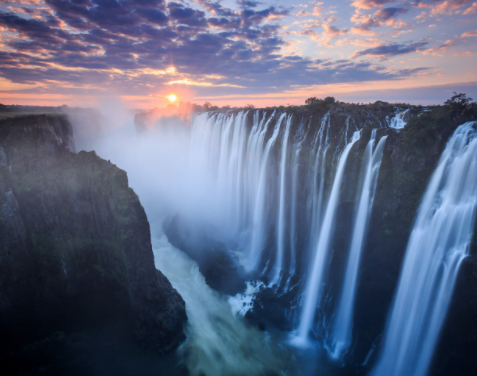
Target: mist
170 180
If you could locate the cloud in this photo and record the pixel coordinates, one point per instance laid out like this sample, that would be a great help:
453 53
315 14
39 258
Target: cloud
422 17
440 7
389 13
472 9
384 16
130 46
470 34
386 50
186 16
444 47
20 2
370 4
330 33
317 11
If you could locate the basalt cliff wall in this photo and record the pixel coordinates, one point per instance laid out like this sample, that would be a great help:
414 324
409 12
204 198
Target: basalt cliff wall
75 242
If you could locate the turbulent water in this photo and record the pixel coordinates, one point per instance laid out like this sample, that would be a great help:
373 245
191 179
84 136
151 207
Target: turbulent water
437 246
219 342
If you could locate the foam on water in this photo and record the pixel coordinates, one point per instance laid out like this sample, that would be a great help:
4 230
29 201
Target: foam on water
219 342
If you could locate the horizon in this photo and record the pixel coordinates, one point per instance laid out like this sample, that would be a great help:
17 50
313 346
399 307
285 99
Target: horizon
470 90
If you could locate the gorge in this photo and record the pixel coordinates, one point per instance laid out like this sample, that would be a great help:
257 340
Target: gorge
318 240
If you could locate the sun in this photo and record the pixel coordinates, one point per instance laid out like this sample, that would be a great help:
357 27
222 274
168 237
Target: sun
172 97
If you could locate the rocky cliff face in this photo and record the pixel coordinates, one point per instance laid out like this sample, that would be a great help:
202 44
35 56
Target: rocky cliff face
73 234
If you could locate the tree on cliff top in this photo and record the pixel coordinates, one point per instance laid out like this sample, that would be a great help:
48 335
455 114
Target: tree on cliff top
314 103
460 104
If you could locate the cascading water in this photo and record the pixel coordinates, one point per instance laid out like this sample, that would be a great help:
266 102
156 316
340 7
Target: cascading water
342 328
321 143
260 221
318 268
399 120
294 199
281 205
437 246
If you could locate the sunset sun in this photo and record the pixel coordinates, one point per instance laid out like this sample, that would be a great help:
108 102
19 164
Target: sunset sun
172 97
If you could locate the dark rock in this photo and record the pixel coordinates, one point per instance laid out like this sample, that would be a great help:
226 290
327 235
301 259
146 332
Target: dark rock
215 262
74 235
272 309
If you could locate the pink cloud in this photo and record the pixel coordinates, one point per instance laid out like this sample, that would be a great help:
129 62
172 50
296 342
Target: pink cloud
370 4
470 34
446 7
317 11
439 50
363 30
471 9
421 17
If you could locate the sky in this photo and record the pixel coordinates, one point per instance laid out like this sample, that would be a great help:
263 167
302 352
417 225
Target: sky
236 52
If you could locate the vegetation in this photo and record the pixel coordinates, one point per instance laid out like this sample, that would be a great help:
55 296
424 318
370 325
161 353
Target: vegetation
460 105
314 103
439 122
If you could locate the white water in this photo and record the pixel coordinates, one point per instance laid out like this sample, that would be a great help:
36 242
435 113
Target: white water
398 122
218 341
241 303
437 246
343 324
293 200
281 205
260 223
318 268
321 142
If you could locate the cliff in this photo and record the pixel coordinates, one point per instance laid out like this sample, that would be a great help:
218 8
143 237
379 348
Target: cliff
73 234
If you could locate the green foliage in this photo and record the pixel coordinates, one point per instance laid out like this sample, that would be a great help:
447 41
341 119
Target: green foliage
438 124
425 129
314 103
459 105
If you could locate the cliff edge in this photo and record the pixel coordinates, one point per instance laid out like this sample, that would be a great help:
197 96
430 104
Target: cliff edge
73 233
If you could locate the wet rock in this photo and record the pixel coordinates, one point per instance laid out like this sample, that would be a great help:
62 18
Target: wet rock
221 272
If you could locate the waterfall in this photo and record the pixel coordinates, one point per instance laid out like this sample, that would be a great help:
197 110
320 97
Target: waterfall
318 267
282 205
260 222
399 120
437 246
294 199
321 142
342 329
